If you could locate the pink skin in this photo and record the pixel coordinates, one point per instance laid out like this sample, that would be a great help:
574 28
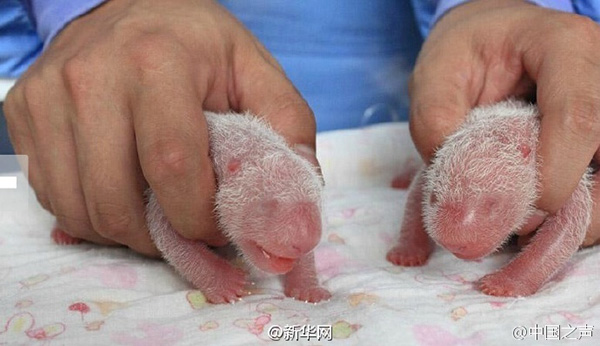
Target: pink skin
267 204
60 237
480 190
551 247
414 246
302 282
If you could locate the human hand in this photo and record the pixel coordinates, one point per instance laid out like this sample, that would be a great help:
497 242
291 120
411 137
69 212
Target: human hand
484 51
115 104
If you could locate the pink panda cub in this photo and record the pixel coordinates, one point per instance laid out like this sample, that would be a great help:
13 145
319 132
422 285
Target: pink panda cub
268 203
479 190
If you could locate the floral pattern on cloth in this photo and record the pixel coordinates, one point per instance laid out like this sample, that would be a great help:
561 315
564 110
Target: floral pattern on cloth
87 294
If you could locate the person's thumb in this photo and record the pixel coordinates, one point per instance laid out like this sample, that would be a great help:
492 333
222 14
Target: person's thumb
439 91
263 89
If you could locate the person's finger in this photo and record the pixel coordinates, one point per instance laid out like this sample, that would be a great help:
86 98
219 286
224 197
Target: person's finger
111 179
172 142
264 90
21 138
568 95
441 90
53 138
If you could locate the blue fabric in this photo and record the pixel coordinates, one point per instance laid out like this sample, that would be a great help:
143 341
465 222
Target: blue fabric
50 16
428 12
590 8
19 43
346 57
349 58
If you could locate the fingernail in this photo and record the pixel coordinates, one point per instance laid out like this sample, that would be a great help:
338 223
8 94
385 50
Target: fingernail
540 213
304 150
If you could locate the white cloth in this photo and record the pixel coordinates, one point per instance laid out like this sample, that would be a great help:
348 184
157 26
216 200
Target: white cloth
5 85
87 294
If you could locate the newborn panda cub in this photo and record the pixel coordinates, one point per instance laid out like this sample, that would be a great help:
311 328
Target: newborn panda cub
479 189
268 203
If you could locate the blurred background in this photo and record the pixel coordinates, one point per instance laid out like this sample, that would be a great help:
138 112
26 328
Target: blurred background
350 59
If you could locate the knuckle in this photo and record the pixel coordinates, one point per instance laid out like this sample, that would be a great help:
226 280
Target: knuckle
33 89
152 52
34 93
169 160
75 69
569 27
78 77
133 24
112 221
585 27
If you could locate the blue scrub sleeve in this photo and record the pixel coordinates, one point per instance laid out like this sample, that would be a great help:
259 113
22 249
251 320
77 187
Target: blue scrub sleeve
590 8
50 16
429 11
19 43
